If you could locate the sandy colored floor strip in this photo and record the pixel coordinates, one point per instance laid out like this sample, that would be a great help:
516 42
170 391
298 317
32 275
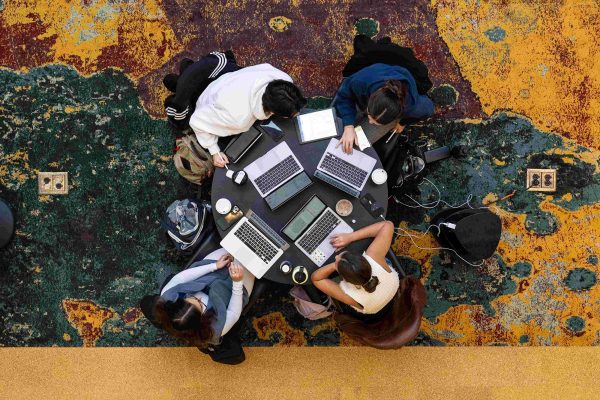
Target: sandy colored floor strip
301 373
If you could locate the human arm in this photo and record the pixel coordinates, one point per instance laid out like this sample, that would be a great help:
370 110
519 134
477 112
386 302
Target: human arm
382 232
422 108
234 309
320 278
196 272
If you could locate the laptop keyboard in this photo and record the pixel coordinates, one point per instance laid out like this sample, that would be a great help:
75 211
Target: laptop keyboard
343 170
319 231
278 174
259 245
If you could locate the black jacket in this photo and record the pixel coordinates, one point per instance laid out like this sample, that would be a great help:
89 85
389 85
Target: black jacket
192 82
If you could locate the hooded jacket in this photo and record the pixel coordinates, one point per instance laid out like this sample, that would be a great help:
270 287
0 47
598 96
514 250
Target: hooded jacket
232 103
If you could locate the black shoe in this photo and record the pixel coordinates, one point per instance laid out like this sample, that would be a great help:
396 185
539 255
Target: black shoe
170 82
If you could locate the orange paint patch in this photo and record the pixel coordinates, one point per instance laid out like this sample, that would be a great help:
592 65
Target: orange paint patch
88 318
275 324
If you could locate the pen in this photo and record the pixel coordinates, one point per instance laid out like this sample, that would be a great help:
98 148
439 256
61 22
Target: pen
222 159
390 138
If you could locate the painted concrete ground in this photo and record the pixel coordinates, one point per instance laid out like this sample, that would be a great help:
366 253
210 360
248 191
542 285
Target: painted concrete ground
81 93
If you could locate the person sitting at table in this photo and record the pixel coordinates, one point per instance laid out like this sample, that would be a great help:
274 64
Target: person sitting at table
367 283
387 93
201 304
232 103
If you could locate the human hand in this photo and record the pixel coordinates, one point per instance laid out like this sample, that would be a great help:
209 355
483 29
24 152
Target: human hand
220 159
341 240
224 261
398 128
348 140
236 271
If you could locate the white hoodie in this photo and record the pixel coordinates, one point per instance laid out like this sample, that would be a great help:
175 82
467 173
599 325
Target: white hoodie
232 103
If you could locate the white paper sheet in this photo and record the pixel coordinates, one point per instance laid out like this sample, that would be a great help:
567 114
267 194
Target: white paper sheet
317 125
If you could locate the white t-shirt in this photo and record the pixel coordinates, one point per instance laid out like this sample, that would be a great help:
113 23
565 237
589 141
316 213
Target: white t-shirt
372 303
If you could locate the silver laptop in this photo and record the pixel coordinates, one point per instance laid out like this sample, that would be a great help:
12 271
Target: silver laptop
250 247
273 169
314 242
352 169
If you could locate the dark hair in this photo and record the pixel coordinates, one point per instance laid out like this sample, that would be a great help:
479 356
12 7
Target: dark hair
355 269
283 98
387 103
183 320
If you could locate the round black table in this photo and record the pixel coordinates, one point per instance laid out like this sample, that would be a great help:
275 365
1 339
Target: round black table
7 224
246 197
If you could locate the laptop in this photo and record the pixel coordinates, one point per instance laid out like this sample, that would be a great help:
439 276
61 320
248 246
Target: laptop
253 249
347 172
273 169
314 242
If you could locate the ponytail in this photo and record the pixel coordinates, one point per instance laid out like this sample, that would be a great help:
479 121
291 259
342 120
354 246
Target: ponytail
387 103
371 284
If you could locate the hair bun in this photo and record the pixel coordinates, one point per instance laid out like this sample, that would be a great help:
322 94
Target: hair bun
371 284
395 87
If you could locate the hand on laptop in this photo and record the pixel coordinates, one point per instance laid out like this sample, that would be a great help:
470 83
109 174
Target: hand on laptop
348 140
220 159
341 240
224 261
236 271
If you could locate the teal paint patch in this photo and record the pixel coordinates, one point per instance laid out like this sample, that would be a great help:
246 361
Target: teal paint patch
522 269
496 34
1 5
576 324
96 242
460 283
523 339
541 223
580 279
444 95
593 259
367 26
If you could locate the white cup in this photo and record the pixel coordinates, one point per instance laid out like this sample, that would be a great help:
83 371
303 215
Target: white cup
379 176
223 206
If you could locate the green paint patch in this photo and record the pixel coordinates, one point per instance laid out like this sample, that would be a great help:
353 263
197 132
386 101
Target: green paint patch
580 279
541 223
496 34
593 259
318 102
524 339
444 95
460 283
96 242
367 26
522 269
575 324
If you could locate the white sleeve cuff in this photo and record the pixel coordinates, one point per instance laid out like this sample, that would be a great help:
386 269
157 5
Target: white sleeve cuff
238 287
214 149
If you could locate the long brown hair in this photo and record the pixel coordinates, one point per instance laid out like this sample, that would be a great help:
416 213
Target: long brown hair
387 103
183 321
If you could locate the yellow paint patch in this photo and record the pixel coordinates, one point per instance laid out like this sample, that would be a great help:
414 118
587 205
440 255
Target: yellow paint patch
138 30
280 24
88 318
66 337
545 65
275 323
